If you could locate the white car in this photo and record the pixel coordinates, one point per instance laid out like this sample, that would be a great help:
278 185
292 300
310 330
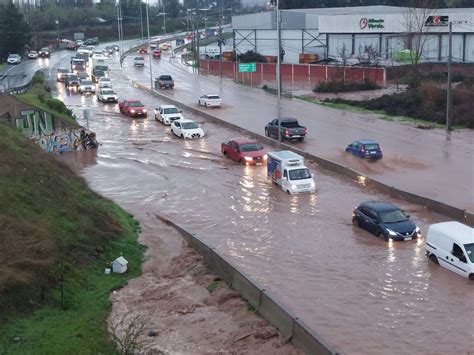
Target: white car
87 86
167 114
139 61
186 129
14 59
105 82
32 54
210 100
107 95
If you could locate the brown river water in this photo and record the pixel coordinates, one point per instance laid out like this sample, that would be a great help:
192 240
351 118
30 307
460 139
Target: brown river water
360 294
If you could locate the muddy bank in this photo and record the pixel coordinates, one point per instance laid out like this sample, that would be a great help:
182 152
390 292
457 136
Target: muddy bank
185 308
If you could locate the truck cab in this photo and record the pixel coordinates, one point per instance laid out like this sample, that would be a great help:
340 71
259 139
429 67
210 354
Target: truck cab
287 170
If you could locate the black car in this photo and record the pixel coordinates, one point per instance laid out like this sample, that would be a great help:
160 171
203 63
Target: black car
385 220
94 41
44 53
72 80
164 81
97 74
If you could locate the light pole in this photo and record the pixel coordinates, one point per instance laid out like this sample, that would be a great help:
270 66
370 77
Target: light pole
57 28
164 21
149 48
141 18
278 73
120 28
449 98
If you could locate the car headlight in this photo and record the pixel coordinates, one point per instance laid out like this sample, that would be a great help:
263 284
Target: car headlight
265 157
144 110
132 111
248 158
312 184
293 186
417 230
391 232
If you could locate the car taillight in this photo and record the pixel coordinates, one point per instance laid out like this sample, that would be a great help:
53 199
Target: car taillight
305 130
380 148
286 132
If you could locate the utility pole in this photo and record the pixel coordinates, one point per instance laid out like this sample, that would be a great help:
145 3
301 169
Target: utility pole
220 37
149 48
141 17
278 73
449 103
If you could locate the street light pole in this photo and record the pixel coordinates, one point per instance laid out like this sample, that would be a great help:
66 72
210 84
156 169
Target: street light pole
149 48
141 18
450 64
164 21
278 73
57 28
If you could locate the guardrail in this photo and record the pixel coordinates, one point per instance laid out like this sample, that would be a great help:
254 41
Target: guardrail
290 326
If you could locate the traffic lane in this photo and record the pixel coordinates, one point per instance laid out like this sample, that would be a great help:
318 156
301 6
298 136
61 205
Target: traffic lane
422 162
302 248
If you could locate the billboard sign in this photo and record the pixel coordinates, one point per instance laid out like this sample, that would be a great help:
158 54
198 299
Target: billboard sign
437 21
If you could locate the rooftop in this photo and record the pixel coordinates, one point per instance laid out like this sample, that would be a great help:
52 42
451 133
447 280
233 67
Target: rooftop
464 234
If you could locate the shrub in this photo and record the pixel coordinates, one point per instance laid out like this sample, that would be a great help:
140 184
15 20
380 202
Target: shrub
251 57
341 86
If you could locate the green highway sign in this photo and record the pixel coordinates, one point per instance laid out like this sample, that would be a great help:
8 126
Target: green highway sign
247 68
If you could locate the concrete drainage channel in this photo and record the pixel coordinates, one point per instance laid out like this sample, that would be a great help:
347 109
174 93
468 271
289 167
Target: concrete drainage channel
277 314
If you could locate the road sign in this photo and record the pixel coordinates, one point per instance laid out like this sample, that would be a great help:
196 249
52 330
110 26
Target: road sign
247 68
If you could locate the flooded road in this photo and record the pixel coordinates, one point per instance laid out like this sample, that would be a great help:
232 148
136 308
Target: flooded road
425 162
360 294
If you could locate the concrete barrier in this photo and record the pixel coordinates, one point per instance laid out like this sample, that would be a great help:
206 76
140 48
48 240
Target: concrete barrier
309 342
274 312
436 206
247 288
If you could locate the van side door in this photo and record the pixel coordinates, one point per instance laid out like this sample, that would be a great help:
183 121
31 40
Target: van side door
456 261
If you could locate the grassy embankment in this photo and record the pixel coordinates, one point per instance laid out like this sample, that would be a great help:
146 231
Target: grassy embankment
56 237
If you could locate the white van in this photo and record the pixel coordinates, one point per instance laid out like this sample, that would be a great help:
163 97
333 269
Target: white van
451 245
286 169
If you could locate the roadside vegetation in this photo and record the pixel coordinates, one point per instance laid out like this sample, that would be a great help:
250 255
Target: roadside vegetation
337 86
426 102
39 95
56 238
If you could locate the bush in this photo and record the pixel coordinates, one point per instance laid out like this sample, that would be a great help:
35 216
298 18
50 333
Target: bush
57 105
341 86
251 57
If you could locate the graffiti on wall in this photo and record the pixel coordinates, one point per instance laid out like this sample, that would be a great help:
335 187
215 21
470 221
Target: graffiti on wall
40 127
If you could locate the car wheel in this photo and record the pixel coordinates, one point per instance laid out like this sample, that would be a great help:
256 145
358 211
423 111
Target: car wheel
225 155
434 259
205 104
267 134
182 136
288 192
301 139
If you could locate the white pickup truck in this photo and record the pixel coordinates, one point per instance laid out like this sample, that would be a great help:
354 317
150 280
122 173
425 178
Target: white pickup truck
287 170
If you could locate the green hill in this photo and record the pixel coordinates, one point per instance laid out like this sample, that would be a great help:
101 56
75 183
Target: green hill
56 237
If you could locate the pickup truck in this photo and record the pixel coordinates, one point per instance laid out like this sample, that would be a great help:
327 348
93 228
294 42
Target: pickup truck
164 81
244 151
132 108
290 129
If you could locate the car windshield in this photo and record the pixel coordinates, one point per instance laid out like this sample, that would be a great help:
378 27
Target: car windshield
189 125
139 58
167 111
62 70
249 147
213 97
14 55
135 104
470 251
73 77
107 92
101 67
99 73
299 174
373 146
86 82
44 50
392 216
104 79
33 52
165 77
289 124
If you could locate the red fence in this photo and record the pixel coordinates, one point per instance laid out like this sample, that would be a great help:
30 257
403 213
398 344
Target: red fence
296 76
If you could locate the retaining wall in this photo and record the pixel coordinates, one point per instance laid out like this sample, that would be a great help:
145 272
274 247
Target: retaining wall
277 314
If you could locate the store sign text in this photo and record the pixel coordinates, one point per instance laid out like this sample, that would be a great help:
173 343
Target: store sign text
371 23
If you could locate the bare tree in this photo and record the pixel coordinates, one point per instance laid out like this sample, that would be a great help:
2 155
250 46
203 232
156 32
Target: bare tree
126 333
417 33
343 53
368 55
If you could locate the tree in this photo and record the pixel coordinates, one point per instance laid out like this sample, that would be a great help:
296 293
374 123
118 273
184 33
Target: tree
417 33
15 32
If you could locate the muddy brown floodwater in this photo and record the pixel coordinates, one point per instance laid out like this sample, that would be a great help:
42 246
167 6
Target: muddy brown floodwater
359 293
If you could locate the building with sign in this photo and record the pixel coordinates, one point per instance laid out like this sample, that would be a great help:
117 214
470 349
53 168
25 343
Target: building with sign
355 33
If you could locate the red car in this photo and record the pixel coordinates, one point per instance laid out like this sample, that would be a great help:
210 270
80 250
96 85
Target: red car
143 50
132 108
157 53
245 151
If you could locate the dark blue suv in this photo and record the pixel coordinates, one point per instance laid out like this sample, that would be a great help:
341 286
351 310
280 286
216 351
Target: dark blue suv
385 221
365 148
